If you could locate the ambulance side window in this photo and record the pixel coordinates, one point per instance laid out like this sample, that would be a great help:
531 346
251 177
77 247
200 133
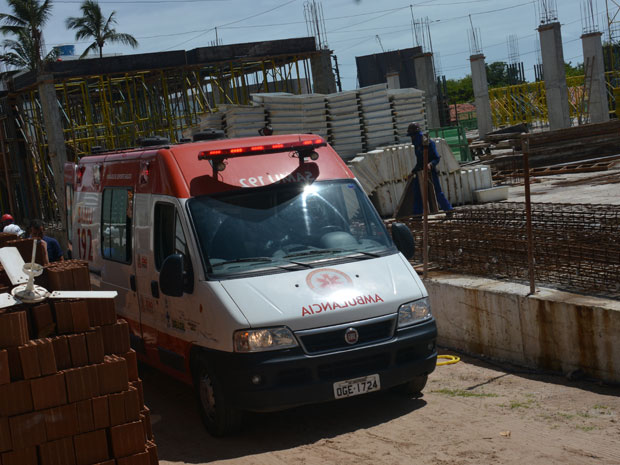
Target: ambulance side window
169 239
116 224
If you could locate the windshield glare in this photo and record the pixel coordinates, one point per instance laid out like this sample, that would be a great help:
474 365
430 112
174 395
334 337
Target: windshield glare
275 226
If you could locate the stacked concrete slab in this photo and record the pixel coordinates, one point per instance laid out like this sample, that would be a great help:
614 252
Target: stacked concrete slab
243 120
407 107
292 114
378 124
344 125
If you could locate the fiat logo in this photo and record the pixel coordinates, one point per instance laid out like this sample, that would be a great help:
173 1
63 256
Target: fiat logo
351 336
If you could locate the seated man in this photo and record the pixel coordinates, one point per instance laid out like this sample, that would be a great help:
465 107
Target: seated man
54 251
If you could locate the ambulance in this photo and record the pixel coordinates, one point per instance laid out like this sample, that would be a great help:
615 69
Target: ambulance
255 269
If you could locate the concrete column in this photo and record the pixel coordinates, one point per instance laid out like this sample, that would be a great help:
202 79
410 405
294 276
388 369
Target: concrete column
393 80
594 67
481 94
56 145
555 75
322 73
425 79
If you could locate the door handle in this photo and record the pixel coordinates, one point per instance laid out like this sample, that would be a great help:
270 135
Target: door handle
132 282
155 289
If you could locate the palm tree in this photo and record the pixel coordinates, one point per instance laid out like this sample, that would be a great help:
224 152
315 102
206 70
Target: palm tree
26 23
22 53
93 24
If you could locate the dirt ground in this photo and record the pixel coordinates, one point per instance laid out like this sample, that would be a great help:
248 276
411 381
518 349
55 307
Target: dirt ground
472 412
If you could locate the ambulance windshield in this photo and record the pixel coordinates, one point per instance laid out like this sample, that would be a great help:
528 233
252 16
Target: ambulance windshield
287 226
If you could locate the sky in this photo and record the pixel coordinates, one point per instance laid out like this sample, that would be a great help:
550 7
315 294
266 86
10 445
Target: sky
352 27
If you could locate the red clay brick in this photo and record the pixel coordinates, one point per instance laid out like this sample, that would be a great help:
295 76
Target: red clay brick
127 439
132 364
136 459
15 364
138 385
145 418
28 430
79 314
43 324
85 419
113 375
61 422
59 452
47 359
151 448
15 398
116 404
107 462
82 383
132 404
20 457
61 352
13 329
5 435
77 349
64 317
49 391
5 372
94 343
81 278
101 412
91 447
101 312
29 358
121 336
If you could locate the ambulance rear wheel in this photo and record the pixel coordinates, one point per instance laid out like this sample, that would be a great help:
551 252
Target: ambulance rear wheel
218 416
414 387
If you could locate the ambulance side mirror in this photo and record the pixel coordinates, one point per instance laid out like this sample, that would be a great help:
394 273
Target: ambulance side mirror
171 275
403 239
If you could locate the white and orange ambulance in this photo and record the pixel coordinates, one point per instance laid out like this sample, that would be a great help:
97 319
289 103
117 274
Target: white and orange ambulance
256 269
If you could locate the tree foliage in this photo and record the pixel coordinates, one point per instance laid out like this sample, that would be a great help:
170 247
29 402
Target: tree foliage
92 24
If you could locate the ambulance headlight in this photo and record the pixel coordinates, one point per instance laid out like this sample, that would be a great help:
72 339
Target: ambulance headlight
414 312
260 340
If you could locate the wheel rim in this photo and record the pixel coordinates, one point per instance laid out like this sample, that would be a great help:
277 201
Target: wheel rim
207 396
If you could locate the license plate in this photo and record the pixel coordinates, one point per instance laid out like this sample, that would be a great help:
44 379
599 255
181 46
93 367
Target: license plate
357 386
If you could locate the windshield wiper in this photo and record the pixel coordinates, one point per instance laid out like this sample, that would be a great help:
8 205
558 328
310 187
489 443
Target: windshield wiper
314 252
243 260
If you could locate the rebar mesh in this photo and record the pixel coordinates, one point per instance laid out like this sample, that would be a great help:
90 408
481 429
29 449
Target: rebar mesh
576 247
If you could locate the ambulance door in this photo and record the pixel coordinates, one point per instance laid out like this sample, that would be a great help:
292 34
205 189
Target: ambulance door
167 323
118 272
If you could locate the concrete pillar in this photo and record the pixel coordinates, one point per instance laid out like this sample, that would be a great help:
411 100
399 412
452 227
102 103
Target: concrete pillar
425 79
481 94
56 145
594 67
555 75
322 73
393 80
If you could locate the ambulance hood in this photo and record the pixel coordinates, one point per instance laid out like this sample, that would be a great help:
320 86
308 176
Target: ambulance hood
327 296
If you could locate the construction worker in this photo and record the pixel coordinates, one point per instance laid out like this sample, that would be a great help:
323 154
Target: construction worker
54 251
7 223
266 131
417 139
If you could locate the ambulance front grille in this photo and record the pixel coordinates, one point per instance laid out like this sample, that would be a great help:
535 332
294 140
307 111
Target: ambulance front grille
332 338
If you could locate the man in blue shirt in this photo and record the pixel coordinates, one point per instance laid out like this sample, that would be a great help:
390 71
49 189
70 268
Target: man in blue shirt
37 231
433 159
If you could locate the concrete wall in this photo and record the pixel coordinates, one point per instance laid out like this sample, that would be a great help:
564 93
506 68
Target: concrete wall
481 94
551 330
598 105
555 75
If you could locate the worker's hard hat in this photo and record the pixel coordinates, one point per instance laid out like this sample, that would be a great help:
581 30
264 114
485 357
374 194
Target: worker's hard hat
413 129
7 217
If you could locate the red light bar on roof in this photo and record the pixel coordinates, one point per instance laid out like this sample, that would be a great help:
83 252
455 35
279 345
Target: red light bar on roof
262 149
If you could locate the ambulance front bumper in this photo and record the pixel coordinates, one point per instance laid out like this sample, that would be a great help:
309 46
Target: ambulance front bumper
277 380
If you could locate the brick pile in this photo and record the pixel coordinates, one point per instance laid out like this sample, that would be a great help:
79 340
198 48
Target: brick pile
71 395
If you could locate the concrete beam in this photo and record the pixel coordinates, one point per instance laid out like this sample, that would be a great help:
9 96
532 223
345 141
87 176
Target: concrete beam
555 75
425 76
550 330
481 94
598 105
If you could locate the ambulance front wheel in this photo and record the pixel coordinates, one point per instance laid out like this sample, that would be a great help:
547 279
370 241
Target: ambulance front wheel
218 416
414 387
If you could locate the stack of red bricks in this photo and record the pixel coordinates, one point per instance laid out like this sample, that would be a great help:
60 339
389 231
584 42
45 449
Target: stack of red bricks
71 395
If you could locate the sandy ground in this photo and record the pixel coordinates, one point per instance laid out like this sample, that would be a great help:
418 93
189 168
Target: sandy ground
471 413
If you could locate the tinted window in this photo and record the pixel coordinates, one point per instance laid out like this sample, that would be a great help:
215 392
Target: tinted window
169 239
116 218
